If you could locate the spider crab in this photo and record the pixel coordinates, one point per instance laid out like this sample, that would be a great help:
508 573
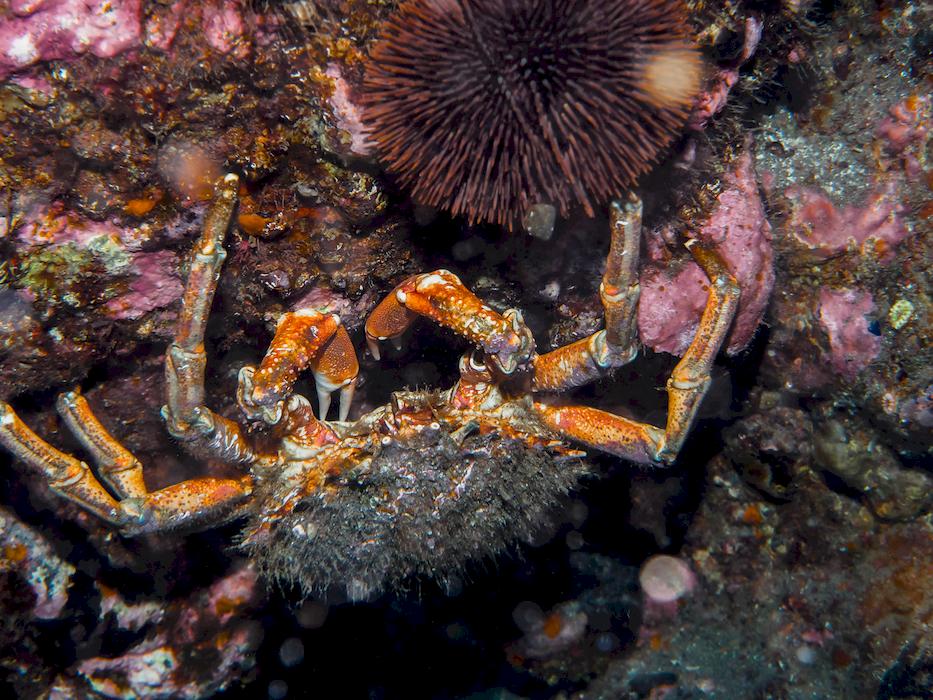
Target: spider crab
421 485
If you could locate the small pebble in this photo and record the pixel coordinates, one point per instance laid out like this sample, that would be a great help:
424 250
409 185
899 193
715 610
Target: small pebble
574 540
312 615
806 654
528 616
292 652
665 579
539 221
607 642
278 690
551 290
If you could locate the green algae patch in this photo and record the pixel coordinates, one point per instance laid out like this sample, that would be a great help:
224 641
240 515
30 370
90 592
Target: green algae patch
73 275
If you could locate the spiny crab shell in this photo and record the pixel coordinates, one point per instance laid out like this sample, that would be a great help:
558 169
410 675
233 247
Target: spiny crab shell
421 486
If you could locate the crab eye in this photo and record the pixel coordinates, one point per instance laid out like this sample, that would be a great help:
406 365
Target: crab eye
476 361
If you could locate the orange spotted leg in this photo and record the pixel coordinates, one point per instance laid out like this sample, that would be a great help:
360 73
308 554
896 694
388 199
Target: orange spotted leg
686 387
590 358
67 476
442 297
187 418
117 468
199 502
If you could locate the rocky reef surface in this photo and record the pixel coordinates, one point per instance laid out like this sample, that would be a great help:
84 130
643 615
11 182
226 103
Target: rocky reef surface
787 554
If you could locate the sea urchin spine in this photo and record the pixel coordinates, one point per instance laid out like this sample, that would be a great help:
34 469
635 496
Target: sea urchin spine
487 107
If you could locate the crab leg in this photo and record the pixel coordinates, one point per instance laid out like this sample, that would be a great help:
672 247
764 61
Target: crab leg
619 290
690 379
442 297
67 476
186 416
685 388
116 465
592 357
303 339
188 503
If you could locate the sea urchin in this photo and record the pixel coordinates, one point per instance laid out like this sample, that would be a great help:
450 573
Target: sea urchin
487 107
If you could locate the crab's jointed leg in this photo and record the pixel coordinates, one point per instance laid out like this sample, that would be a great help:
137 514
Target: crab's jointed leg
186 416
116 466
67 476
619 290
685 388
593 357
187 504
442 297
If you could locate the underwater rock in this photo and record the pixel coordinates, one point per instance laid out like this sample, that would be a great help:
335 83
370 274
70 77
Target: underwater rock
767 618
551 634
44 30
27 555
855 455
772 448
875 227
192 648
845 316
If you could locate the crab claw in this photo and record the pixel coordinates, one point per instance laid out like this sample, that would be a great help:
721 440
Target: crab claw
520 355
304 339
443 298
388 321
269 413
335 367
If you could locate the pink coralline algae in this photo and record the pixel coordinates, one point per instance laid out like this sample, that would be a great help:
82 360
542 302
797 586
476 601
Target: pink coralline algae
348 114
44 30
163 23
711 101
714 98
153 281
672 302
222 25
876 226
906 132
155 286
843 316
908 122
46 225
224 28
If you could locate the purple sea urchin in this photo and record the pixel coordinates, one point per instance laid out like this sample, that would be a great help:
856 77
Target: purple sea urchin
487 107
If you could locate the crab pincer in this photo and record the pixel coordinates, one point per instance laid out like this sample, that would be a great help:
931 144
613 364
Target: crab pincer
443 298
